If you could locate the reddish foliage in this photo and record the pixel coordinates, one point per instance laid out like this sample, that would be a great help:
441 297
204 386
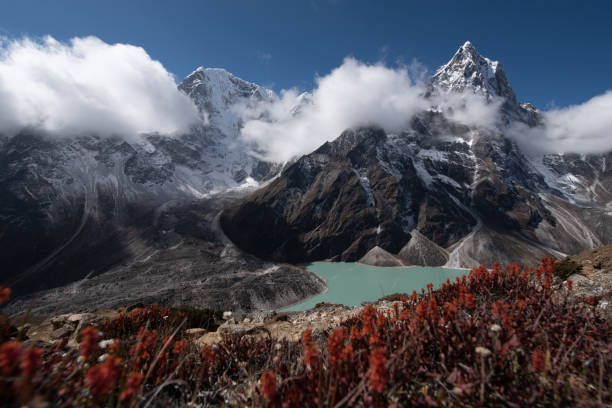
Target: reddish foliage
101 378
378 370
267 386
538 361
485 339
89 342
5 294
311 354
9 356
132 385
30 362
179 346
335 345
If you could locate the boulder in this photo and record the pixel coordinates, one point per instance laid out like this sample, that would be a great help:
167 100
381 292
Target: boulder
195 332
422 251
61 333
379 257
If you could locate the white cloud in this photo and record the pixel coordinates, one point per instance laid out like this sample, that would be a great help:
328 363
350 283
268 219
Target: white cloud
88 86
353 94
356 94
584 128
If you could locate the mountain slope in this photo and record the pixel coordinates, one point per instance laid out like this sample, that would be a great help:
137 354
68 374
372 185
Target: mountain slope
71 207
469 190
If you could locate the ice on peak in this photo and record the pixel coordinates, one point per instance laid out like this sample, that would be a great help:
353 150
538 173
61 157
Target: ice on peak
219 73
469 46
467 69
467 57
216 90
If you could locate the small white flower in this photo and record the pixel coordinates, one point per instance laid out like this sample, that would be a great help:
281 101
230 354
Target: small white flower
495 328
105 343
483 351
278 346
102 357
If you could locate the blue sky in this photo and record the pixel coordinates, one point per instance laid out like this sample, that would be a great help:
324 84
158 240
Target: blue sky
553 52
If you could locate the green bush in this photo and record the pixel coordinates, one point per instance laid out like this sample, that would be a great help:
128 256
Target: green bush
567 267
201 318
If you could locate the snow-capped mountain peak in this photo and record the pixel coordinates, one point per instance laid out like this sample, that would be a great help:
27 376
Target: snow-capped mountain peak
215 91
468 70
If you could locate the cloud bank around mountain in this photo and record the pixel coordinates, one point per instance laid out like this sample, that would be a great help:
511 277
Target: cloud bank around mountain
356 94
353 94
584 128
87 86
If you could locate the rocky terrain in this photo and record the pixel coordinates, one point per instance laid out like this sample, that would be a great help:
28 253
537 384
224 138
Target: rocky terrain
379 257
422 251
595 279
88 222
182 259
508 335
119 219
468 194
595 276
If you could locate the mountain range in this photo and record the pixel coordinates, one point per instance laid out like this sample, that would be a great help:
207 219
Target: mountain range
104 219
436 193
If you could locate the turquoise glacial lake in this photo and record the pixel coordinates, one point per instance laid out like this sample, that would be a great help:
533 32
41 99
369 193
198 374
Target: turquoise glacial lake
351 283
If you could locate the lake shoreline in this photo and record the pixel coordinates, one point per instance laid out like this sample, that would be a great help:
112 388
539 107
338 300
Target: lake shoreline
352 283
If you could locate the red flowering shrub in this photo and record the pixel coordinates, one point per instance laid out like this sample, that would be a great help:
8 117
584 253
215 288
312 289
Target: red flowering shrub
378 370
89 342
5 294
335 345
311 354
267 386
132 322
30 362
9 357
538 361
132 385
498 337
101 378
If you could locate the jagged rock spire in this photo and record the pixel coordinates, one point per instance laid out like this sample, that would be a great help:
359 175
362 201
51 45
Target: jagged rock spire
468 71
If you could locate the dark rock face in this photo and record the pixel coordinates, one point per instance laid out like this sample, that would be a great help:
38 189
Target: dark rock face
125 221
72 207
472 196
93 223
334 203
469 192
180 258
348 196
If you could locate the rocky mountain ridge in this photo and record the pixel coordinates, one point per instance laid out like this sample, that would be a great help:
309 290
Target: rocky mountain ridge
469 190
77 207
93 218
